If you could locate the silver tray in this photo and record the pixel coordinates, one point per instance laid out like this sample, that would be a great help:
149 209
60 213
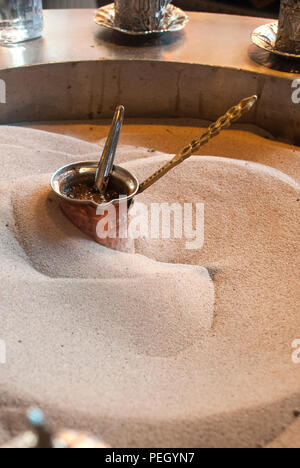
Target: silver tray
265 38
175 20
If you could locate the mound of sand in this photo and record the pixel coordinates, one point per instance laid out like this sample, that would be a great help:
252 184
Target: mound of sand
145 349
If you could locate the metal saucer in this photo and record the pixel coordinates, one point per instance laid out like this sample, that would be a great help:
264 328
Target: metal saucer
175 20
265 38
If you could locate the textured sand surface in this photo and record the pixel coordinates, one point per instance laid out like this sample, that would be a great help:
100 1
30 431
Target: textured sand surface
290 438
141 352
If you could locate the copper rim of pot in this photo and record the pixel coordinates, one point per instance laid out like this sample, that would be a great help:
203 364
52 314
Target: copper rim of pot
124 182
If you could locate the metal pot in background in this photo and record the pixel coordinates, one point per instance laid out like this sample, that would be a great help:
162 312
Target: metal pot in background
288 36
140 15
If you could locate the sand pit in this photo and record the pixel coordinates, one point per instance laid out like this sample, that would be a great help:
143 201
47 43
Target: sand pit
147 349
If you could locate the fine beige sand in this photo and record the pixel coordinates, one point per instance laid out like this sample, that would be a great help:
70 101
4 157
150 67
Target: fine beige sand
167 347
290 438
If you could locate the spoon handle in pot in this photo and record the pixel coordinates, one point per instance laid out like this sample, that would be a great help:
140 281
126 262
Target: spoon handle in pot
231 116
107 159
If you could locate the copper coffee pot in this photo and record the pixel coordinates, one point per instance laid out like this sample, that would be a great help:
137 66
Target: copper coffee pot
86 214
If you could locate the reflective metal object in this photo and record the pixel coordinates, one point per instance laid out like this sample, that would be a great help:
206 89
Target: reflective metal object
122 182
265 37
174 20
231 116
140 15
288 36
109 152
85 213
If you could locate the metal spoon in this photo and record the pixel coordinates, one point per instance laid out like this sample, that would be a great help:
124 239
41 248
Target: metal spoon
107 159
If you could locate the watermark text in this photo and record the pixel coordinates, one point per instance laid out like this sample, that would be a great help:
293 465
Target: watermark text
2 352
296 91
296 352
157 221
2 92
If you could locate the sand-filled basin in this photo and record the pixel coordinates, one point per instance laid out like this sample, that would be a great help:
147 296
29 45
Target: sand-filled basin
168 346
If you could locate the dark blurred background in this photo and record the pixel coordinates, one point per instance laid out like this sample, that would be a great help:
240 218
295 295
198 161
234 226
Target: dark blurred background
267 8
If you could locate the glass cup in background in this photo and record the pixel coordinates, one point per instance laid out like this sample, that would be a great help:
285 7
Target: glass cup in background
20 20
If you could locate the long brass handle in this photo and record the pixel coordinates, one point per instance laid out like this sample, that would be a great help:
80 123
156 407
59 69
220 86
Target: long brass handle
231 116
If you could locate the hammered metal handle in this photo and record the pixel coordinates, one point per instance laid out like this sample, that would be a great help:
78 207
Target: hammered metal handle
231 116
